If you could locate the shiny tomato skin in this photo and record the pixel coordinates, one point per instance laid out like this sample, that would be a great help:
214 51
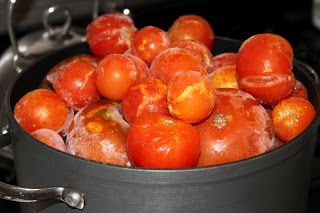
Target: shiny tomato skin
238 128
110 33
291 116
300 90
264 67
76 84
173 61
99 135
191 96
40 108
148 42
192 27
147 95
114 75
155 140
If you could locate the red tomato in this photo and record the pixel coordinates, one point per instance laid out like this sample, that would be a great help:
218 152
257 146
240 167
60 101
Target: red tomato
155 140
40 108
98 135
264 67
291 116
300 90
225 77
141 66
75 84
224 59
191 96
51 138
147 95
173 61
238 128
148 42
114 75
199 51
192 27
110 33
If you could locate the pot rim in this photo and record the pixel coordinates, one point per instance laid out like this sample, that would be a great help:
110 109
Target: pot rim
220 172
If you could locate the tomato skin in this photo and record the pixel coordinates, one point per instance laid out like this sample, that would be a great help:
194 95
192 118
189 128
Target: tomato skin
155 140
225 77
291 116
300 90
224 59
110 33
76 84
173 61
51 138
238 128
148 42
192 27
191 96
147 95
264 67
40 108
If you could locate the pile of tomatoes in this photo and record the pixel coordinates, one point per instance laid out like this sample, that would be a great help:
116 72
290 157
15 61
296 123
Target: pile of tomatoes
159 99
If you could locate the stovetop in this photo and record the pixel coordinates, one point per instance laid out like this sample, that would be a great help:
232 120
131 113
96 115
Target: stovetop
234 19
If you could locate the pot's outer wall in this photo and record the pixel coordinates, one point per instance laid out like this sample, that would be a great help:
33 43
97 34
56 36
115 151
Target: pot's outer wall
274 182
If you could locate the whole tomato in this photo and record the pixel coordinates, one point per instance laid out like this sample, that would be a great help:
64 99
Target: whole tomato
39 109
238 128
264 67
155 140
192 27
110 33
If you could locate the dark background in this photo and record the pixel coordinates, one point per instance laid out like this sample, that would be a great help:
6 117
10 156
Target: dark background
235 19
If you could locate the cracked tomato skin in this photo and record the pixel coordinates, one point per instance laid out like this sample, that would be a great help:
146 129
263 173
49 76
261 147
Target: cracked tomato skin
238 128
264 67
99 134
291 116
191 96
155 140
147 95
40 108
192 27
110 33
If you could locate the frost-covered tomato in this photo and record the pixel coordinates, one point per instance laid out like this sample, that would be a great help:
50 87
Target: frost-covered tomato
51 138
155 140
114 75
238 128
225 77
98 134
291 116
199 51
110 33
76 84
191 96
40 108
173 61
264 67
192 27
148 42
224 59
147 95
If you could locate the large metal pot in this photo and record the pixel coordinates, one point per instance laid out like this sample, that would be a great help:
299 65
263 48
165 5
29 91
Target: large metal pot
277 181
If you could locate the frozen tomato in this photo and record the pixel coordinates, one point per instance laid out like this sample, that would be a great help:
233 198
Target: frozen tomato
264 67
291 116
40 108
110 33
224 59
192 27
191 96
225 77
173 61
148 42
141 66
97 135
238 128
300 90
51 138
155 140
115 74
76 84
199 51
147 95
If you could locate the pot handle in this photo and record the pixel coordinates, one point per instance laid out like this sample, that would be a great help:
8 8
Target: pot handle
71 197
